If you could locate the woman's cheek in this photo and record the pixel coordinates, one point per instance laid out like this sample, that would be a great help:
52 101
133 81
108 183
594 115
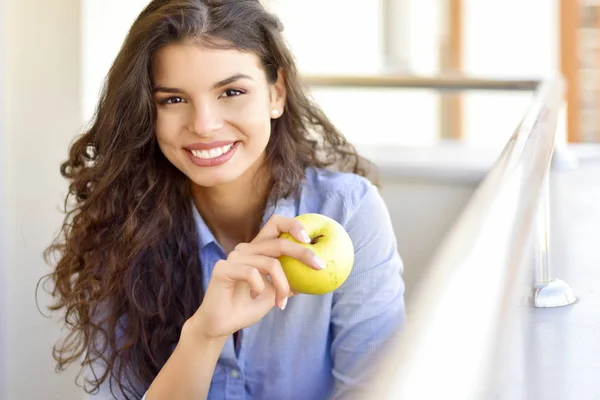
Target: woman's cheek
168 124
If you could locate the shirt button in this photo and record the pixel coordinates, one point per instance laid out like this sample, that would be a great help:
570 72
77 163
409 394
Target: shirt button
235 374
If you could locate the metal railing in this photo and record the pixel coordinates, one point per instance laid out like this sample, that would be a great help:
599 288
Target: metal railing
441 83
457 312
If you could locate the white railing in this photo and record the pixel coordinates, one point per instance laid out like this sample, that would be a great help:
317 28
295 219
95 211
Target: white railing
456 315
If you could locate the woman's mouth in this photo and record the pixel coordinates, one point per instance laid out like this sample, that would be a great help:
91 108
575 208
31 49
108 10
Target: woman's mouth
212 153
212 157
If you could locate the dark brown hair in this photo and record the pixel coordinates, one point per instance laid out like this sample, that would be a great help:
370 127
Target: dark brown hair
127 270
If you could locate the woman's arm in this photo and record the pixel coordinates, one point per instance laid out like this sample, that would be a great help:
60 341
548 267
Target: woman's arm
368 309
188 372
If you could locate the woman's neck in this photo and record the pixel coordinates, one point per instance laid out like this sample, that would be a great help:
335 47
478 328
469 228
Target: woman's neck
233 212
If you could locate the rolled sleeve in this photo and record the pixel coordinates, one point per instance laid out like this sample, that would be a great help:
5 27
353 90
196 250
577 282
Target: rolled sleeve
368 309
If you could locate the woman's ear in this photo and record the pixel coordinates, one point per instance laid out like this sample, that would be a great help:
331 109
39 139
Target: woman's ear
278 95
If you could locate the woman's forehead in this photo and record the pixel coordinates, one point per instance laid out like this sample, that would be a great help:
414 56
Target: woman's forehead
186 62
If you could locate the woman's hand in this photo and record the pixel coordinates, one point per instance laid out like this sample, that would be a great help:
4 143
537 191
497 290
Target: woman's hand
243 288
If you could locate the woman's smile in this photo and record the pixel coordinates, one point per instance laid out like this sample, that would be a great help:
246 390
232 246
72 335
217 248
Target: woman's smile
211 154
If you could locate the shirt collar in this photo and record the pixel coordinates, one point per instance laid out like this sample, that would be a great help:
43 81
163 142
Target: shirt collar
205 236
286 207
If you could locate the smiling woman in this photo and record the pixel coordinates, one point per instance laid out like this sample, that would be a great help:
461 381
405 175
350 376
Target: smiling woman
203 149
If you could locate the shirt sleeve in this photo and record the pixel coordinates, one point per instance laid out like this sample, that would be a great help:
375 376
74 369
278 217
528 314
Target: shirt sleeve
368 309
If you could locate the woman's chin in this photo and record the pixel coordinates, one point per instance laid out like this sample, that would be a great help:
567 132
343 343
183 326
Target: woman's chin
208 179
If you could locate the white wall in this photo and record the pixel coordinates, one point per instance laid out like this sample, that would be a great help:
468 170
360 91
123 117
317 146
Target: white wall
422 212
315 27
3 210
104 25
510 38
41 97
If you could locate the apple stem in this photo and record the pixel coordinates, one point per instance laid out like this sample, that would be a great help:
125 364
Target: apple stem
315 239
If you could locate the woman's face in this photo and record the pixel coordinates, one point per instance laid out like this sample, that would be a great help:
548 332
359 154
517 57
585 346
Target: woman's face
214 111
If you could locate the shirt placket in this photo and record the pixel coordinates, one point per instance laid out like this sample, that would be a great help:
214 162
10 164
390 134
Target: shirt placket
235 380
230 360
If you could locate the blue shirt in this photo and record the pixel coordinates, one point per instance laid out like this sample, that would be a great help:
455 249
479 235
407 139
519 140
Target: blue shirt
319 346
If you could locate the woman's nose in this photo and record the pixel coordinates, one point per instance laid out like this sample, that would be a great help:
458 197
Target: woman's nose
206 119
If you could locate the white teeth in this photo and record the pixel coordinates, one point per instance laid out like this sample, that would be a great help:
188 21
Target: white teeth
212 153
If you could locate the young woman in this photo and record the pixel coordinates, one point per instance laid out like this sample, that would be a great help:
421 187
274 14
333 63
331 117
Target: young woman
203 149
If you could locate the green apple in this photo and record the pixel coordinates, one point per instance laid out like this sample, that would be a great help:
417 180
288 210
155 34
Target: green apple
332 244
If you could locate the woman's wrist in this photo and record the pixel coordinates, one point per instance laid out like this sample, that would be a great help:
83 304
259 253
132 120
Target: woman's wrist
194 331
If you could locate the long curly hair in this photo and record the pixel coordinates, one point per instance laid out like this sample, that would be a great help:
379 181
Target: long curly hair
128 272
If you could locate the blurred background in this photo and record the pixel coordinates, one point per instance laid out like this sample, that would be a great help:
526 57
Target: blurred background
433 147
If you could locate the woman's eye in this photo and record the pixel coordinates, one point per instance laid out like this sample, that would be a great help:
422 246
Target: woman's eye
172 100
232 93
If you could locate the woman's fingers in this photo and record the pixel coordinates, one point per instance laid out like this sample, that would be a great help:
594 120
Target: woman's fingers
234 272
254 270
277 224
268 266
282 247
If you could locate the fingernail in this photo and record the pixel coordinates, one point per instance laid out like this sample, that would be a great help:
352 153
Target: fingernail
283 303
305 236
319 263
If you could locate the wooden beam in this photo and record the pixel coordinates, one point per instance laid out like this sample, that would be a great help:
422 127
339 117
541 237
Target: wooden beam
594 49
569 44
451 62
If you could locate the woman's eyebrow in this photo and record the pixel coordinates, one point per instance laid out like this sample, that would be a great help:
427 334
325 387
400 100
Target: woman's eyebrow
231 79
167 90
